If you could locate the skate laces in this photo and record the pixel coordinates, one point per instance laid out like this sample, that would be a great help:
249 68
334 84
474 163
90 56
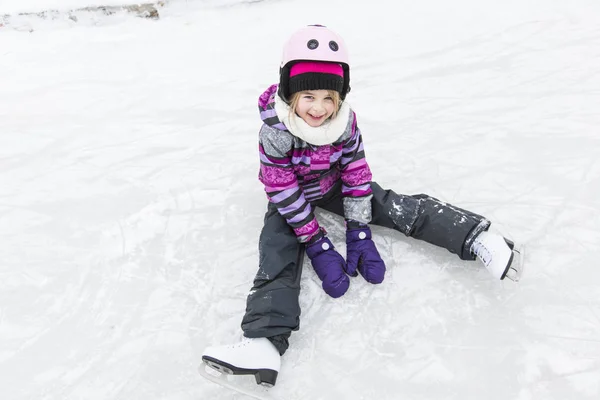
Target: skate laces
482 252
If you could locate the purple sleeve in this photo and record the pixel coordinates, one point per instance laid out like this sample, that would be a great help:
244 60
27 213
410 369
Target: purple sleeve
356 178
281 185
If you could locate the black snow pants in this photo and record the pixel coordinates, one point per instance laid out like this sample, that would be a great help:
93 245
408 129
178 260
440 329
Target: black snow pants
272 307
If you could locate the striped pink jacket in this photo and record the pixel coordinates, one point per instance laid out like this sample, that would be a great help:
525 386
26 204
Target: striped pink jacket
296 173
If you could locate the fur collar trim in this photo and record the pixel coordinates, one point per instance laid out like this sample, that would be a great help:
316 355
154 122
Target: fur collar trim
327 133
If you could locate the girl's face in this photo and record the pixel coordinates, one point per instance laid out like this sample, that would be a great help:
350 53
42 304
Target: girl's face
315 106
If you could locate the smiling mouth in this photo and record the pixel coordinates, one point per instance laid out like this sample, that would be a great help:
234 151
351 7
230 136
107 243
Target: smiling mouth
313 117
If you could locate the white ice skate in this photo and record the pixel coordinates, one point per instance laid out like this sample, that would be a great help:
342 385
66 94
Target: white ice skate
257 357
499 255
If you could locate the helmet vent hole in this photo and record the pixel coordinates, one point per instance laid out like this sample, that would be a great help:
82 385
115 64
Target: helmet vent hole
334 46
312 44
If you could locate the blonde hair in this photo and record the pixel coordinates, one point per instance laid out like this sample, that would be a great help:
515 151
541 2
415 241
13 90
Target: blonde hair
334 94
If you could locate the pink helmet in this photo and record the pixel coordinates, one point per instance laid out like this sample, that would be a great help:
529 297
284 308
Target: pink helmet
313 43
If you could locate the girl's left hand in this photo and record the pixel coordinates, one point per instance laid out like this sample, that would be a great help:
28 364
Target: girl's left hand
362 255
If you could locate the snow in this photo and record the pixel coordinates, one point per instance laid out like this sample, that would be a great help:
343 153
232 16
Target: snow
21 6
130 208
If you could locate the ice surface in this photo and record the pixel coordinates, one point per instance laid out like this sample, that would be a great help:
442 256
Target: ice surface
130 207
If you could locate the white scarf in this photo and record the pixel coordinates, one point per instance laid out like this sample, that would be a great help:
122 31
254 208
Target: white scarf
326 133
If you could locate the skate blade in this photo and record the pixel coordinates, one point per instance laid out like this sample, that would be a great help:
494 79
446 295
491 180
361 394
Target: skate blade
220 377
515 271
262 376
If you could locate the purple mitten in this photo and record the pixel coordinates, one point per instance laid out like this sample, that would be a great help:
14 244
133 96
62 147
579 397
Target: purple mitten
329 266
362 255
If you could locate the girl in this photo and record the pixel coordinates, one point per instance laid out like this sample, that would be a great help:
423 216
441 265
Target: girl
312 155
